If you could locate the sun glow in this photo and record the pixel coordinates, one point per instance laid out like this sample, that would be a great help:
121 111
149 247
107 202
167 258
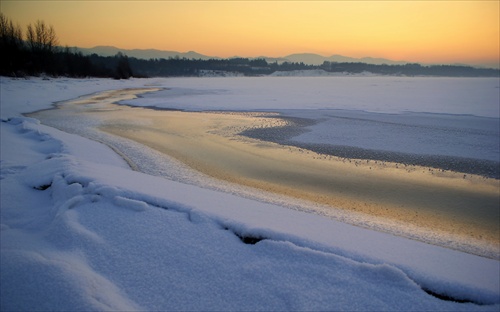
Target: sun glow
420 31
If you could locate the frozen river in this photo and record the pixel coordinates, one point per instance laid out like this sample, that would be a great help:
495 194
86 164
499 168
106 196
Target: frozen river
446 123
432 138
87 232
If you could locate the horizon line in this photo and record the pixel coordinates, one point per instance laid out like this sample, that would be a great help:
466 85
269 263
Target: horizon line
493 65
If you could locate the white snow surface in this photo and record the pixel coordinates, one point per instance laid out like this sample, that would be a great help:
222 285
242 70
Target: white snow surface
380 94
81 231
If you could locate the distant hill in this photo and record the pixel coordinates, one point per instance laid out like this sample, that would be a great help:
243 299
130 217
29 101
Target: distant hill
306 58
143 53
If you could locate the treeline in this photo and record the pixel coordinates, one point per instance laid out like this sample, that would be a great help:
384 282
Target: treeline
258 67
37 51
192 67
411 69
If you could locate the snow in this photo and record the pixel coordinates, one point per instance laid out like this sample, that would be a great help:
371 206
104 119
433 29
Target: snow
420 133
379 94
81 231
28 95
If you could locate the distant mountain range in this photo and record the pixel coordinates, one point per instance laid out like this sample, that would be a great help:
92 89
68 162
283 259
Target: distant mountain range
306 58
142 53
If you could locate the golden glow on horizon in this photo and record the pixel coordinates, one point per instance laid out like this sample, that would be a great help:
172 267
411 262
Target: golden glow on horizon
417 31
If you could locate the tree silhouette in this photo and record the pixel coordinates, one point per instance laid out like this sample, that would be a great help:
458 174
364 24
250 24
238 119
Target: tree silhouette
123 70
41 38
42 41
11 45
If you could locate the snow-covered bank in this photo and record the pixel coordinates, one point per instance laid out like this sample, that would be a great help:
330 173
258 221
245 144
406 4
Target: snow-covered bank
27 95
80 231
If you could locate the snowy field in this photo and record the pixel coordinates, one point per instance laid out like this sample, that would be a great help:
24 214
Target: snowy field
81 231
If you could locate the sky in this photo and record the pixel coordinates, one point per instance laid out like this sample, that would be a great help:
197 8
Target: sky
416 31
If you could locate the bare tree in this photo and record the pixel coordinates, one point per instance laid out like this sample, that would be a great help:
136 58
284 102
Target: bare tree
11 45
42 42
8 31
41 38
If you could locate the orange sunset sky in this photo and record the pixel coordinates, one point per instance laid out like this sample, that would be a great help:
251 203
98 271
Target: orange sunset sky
415 31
